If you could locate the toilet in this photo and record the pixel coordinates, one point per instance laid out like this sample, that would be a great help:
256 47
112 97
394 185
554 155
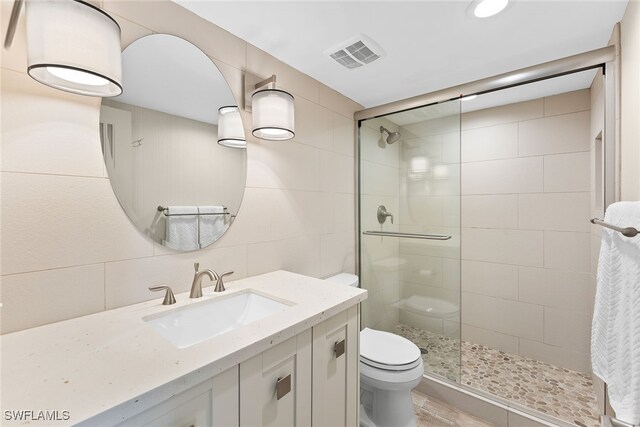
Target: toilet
390 367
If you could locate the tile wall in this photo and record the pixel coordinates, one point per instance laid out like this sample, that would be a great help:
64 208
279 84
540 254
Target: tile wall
67 247
526 202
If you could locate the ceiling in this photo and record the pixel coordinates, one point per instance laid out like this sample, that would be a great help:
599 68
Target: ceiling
428 45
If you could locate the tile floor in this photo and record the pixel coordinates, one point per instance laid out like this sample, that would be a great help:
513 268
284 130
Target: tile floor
433 413
546 388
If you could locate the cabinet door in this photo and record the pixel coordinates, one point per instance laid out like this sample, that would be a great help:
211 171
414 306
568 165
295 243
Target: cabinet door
286 366
336 377
211 403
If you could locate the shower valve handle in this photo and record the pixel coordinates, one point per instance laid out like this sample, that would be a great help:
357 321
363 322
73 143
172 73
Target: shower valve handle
383 214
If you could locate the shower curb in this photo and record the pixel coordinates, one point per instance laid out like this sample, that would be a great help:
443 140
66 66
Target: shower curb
495 410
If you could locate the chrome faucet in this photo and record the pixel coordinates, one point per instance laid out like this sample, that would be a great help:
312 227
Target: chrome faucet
196 286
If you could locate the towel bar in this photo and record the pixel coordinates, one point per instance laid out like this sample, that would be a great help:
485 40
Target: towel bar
407 235
627 231
164 212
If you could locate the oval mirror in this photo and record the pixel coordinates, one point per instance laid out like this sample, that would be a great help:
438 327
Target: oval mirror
173 144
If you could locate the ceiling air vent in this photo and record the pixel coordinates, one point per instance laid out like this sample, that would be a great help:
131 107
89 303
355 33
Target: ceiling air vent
356 52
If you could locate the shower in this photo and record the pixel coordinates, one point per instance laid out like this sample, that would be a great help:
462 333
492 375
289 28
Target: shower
393 136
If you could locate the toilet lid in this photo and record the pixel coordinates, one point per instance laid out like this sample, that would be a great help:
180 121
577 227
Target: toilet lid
387 349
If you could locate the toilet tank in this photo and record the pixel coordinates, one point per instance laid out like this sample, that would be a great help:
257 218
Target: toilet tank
346 279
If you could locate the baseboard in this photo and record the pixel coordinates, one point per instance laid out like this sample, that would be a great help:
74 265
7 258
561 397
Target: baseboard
493 409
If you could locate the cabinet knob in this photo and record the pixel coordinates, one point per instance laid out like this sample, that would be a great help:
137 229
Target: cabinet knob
338 348
283 386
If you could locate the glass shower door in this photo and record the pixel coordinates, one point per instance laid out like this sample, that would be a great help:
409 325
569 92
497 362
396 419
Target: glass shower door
409 207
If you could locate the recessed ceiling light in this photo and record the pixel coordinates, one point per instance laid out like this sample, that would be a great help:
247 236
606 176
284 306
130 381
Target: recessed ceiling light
487 8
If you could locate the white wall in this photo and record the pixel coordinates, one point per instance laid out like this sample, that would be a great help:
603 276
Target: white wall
525 237
67 247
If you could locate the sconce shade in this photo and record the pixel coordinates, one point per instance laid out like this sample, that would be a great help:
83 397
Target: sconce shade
273 115
74 46
230 128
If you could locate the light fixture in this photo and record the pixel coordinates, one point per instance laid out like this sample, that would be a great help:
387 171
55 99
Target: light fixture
487 8
71 45
469 97
230 127
272 110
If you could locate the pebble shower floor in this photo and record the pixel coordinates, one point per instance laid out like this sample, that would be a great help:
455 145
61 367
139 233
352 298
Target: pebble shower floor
552 390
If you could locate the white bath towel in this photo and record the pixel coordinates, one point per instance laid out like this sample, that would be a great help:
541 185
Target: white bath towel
615 334
211 226
182 229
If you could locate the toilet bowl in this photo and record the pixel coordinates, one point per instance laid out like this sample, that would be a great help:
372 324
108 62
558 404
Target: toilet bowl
390 367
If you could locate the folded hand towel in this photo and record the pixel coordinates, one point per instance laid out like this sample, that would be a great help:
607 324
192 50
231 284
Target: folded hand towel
182 229
615 334
211 226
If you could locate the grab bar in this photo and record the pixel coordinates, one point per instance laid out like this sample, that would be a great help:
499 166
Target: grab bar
407 235
627 231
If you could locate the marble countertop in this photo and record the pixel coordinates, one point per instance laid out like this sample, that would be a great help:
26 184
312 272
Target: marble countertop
114 359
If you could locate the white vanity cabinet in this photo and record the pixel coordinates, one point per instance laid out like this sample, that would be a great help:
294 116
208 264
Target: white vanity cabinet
211 403
335 370
310 379
275 386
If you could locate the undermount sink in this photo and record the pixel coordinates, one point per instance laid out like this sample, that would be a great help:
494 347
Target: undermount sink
192 324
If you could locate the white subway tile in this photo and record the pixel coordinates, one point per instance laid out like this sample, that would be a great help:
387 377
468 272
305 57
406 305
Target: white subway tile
554 211
558 134
490 211
41 297
516 247
523 175
566 251
495 280
51 221
490 143
567 172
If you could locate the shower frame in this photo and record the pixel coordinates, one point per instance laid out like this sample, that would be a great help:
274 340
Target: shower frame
607 59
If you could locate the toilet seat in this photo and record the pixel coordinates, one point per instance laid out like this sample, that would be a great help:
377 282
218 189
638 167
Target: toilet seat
387 351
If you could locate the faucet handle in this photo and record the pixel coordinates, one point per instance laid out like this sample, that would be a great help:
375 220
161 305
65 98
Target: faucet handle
169 298
220 283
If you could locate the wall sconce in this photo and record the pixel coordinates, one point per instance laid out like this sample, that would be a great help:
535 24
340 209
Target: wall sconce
272 110
72 46
230 127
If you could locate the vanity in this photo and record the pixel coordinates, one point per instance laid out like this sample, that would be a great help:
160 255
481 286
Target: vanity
278 349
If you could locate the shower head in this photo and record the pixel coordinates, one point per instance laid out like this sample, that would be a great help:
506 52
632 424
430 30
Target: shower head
393 136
